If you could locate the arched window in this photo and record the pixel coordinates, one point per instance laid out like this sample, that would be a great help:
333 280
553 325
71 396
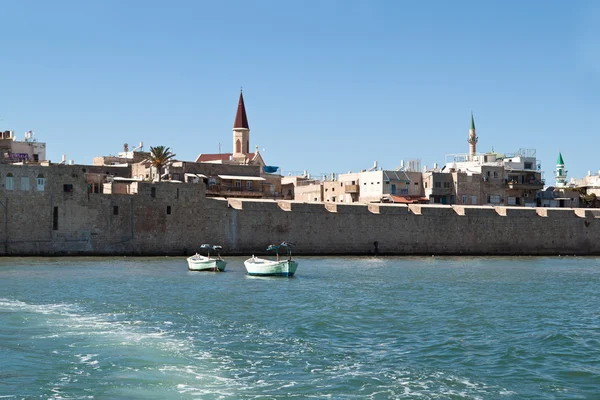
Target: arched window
238 146
247 146
9 184
41 183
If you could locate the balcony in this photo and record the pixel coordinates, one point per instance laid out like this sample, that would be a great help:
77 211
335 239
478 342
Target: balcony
233 191
530 184
352 188
440 191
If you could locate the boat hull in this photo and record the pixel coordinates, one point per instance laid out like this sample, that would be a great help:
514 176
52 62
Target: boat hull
202 263
260 267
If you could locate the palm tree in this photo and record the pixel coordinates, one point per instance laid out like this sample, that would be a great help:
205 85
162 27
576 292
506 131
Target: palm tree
160 156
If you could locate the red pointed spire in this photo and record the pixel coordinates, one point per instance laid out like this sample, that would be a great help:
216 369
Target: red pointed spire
241 121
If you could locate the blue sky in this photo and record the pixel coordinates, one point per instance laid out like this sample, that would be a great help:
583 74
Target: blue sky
329 86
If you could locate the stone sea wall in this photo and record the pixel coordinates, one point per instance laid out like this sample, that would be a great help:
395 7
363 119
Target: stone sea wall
175 219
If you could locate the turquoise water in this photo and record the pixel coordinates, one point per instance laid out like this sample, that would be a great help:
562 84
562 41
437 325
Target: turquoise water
428 328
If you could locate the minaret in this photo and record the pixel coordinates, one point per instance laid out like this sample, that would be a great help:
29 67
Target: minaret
561 174
472 139
241 131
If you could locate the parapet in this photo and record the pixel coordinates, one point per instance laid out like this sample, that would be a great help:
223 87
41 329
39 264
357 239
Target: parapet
253 205
298 206
433 210
475 211
346 208
587 213
556 212
523 212
389 209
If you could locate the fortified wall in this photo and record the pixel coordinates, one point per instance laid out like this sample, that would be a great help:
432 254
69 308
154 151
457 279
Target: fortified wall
62 217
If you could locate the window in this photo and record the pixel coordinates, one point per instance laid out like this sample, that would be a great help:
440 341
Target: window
25 183
528 165
465 199
238 185
495 174
495 199
55 219
333 199
177 195
438 184
115 210
153 192
68 188
425 185
416 183
473 199
40 183
10 182
168 210
488 174
249 185
446 184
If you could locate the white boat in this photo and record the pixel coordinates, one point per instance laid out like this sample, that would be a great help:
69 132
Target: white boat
198 262
262 267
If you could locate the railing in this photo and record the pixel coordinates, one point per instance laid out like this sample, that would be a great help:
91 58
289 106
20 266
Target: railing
233 190
531 184
440 191
306 182
352 188
401 192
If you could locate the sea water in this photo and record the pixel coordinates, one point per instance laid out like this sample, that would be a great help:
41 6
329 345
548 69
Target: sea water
343 327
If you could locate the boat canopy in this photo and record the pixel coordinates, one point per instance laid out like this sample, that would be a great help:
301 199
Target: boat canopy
242 178
275 247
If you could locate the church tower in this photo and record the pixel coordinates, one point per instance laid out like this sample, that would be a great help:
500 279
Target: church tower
472 139
561 174
241 131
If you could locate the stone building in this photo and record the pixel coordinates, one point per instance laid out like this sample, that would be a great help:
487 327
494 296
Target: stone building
49 210
509 179
375 185
28 150
437 187
125 157
564 194
241 143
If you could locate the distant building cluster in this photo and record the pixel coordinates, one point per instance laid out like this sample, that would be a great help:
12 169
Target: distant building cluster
492 179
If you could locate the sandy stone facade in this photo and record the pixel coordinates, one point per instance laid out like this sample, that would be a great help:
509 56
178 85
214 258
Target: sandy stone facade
56 213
